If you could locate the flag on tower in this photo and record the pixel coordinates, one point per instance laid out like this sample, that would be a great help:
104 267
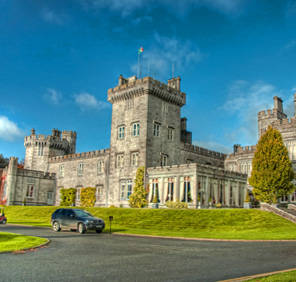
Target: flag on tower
141 49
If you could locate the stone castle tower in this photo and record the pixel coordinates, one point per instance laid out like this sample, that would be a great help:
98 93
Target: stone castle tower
39 148
146 125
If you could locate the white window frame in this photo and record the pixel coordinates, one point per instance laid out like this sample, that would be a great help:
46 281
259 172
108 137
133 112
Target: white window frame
120 160
80 169
30 191
164 160
61 171
99 192
126 189
100 167
121 132
136 129
134 158
156 129
170 133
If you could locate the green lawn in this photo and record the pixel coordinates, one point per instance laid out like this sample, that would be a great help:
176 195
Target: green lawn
15 242
282 277
216 223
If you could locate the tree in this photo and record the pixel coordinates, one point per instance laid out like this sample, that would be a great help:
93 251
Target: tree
138 198
3 161
272 170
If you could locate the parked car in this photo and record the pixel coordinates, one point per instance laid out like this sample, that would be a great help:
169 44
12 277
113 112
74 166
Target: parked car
78 219
3 219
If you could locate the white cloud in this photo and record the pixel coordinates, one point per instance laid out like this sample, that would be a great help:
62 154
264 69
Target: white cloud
52 17
127 7
53 96
290 45
9 131
158 60
214 146
88 101
245 100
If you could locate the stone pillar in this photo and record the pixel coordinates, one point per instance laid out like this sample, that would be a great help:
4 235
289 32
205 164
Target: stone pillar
11 180
194 190
207 191
160 189
227 192
165 189
150 190
216 183
181 189
177 189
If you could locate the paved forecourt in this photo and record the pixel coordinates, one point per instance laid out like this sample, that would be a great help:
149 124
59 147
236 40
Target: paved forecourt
104 257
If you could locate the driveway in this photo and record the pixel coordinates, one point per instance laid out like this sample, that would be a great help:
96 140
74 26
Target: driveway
104 257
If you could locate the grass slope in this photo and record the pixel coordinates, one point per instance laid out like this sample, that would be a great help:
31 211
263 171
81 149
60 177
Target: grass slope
283 277
15 242
215 223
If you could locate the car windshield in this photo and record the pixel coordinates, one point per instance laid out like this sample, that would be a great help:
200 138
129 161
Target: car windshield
82 213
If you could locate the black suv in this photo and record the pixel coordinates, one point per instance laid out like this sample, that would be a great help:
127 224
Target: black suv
76 219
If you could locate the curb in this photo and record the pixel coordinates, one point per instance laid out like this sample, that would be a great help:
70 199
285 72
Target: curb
246 278
197 239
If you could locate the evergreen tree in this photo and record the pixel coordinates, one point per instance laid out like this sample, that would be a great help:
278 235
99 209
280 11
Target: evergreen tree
138 198
272 170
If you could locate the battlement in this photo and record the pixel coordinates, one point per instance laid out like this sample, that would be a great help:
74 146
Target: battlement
133 86
204 152
241 151
84 155
287 123
35 174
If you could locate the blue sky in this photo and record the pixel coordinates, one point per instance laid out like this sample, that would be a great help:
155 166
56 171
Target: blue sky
58 59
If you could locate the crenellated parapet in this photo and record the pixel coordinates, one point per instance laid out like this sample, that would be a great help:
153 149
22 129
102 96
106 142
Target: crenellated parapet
36 174
84 155
204 152
131 87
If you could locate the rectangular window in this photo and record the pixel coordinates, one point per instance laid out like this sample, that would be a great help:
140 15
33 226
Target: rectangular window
170 133
99 192
122 190
100 167
187 187
156 129
49 195
30 191
119 161
136 129
163 160
154 194
134 158
80 169
126 188
129 188
120 132
61 170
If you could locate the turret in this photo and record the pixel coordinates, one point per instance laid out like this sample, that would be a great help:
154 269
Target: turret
39 148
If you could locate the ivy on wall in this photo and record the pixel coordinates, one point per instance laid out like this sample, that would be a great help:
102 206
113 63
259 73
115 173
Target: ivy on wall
68 196
87 197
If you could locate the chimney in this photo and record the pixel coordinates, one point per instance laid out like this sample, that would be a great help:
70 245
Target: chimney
278 104
175 83
32 131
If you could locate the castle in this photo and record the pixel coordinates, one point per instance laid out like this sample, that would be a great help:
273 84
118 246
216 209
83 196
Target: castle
146 130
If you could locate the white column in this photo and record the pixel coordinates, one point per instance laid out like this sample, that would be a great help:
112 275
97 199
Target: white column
194 189
181 188
165 187
160 189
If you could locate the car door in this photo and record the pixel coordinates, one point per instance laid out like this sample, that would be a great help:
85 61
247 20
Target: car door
70 219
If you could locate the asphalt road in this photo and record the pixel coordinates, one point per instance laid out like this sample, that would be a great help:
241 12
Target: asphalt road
104 257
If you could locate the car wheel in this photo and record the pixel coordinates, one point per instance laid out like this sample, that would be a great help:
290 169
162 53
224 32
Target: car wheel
99 230
81 228
56 226
4 221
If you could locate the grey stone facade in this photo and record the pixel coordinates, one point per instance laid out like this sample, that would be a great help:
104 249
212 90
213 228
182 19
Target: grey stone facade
146 130
241 158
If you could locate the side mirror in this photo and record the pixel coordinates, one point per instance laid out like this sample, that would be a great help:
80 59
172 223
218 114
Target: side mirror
72 215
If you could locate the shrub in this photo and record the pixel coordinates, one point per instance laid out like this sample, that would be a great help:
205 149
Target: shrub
68 196
138 198
218 205
176 205
88 197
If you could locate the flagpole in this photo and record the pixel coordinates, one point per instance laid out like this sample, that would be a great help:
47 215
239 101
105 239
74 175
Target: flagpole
138 74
